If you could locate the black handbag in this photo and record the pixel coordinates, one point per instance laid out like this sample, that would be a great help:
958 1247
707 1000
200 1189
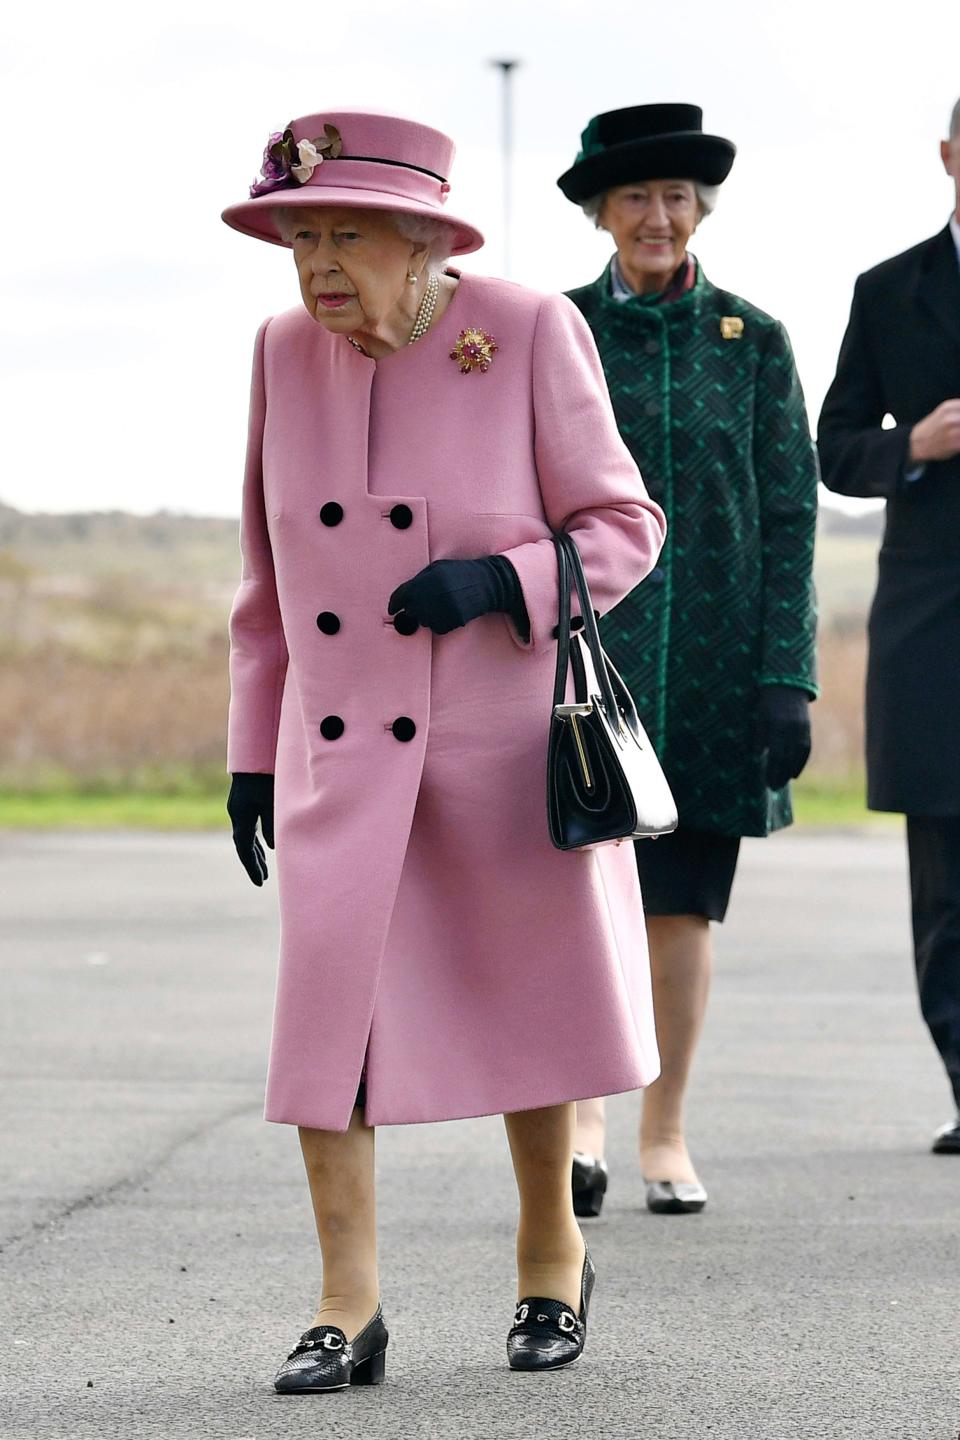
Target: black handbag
604 781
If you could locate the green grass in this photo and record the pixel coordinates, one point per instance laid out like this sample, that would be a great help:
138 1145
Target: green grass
818 805
73 810
841 804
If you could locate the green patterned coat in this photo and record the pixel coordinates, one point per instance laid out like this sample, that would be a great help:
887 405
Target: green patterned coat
708 400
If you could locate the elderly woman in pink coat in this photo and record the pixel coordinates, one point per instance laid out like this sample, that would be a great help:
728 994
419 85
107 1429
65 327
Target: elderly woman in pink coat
416 434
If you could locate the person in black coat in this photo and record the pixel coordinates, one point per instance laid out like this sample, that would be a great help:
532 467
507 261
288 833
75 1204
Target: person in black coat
900 358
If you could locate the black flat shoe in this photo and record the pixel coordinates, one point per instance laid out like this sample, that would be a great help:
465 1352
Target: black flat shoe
683 1198
546 1334
589 1184
947 1139
323 1359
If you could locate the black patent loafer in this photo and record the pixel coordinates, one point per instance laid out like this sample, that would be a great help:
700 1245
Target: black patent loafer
546 1334
947 1139
683 1198
324 1359
589 1185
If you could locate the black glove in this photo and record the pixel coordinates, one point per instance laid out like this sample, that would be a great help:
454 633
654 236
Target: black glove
451 593
783 731
250 800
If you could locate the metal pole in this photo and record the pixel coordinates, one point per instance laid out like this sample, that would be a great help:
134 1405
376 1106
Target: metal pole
506 68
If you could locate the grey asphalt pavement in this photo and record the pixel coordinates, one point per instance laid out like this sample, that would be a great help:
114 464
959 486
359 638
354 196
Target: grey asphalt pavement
158 1259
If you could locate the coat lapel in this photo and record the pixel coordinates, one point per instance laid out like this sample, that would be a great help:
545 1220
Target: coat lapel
938 290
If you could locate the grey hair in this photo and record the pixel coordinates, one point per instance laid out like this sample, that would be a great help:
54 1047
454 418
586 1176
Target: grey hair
955 121
707 196
435 235
424 230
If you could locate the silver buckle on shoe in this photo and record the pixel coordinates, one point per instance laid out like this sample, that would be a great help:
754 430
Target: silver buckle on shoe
566 1322
522 1312
332 1342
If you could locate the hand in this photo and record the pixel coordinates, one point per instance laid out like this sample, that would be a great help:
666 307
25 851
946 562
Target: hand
250 800
451 593
783 731
937 436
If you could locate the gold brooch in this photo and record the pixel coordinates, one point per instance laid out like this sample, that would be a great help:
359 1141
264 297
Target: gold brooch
731 327
474 350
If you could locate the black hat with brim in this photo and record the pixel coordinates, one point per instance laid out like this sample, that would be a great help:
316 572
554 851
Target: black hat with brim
646 142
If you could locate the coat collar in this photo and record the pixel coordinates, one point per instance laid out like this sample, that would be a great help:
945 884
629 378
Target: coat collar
938 287
601 298
953 224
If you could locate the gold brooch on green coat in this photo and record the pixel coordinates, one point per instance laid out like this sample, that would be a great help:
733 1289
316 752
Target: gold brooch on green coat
731 327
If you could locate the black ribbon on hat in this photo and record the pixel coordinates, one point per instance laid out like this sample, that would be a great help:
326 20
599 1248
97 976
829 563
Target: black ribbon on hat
401 164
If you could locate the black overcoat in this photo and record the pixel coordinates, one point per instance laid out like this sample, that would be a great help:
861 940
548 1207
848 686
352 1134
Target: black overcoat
901 357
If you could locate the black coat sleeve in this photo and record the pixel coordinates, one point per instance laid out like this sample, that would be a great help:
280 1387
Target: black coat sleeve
857 457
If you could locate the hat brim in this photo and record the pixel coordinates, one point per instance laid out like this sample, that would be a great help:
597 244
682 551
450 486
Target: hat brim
681 156
255 216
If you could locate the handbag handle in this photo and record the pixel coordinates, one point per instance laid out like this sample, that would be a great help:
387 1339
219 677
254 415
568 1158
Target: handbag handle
563 623
571 573
568 653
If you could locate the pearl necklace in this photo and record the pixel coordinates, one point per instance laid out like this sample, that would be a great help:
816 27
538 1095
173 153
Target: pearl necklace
424 317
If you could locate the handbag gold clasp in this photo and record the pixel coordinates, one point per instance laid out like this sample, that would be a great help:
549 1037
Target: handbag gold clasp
572 713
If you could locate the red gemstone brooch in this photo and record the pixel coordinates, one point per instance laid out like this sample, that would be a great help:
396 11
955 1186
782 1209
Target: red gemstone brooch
474 350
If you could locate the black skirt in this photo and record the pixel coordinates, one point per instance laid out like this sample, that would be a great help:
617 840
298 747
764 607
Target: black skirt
689 872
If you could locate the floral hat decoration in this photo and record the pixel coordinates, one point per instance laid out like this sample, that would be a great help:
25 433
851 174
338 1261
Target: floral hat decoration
287 161
353 159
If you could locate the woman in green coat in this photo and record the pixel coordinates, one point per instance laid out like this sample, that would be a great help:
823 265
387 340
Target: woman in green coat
717 645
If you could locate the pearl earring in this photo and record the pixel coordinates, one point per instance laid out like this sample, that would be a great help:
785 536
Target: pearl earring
411 277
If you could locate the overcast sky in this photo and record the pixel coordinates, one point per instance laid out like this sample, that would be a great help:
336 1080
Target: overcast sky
130 309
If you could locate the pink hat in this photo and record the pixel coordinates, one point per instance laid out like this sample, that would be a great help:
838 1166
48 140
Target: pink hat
357 159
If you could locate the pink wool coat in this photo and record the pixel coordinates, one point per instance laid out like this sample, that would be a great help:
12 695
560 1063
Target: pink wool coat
430 932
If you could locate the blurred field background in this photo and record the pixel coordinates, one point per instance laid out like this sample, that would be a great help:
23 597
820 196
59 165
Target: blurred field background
113 687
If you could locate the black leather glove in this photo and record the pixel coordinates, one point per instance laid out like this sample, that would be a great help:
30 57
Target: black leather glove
783 731
250 800
451 593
